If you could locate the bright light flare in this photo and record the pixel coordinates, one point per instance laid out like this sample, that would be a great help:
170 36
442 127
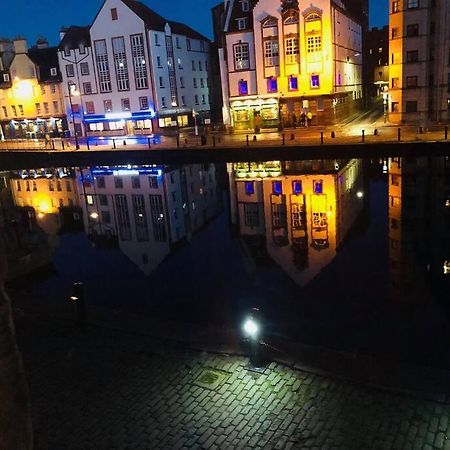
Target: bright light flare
360 194
251 327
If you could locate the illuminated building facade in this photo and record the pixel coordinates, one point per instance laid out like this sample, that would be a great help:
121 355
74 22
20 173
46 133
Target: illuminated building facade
376 61
419 220
284 58
300 212
419 49
147 209
134 72
30 91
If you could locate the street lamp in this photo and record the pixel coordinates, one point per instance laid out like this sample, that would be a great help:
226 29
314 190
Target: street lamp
194 115
76 93
252 329
280 106
385 103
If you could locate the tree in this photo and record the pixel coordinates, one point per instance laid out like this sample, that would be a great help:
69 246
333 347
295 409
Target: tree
15 416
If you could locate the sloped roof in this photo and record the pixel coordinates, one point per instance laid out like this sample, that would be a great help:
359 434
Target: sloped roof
45 59
75 36
181 28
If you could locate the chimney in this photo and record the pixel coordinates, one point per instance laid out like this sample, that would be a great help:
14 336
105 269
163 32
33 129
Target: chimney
42 43
20 45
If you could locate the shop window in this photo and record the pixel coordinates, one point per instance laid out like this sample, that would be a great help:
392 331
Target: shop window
249 187
243 87
318 186
293 83
272 85
297 187
315 83
277 187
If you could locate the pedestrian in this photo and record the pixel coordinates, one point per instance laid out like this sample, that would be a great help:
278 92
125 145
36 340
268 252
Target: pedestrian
303 119
47 141
309 116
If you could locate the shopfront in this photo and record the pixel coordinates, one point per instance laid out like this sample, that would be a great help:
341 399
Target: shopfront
255 114
123 125
34 129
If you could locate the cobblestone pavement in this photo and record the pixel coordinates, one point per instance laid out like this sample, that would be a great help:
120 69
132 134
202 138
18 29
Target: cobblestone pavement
108 390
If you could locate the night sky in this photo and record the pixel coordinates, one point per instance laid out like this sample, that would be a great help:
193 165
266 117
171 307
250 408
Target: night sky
34 18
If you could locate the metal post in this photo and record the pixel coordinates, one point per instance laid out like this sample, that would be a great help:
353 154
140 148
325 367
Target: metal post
247 138
214 141
114 144
399 134
363 135
53 144
87 144
178 141
321 137
78 298
62 142
77 145
446 132
149 143
284 138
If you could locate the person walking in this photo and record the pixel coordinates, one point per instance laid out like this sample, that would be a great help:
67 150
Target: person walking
309 116
48 142
303 119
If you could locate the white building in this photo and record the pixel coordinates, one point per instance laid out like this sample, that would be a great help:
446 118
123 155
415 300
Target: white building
134 72
281 59
147 209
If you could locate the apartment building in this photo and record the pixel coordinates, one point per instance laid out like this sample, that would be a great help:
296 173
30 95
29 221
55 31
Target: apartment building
376 62
419 50
31 103
147 209
134 72
282 59
298 212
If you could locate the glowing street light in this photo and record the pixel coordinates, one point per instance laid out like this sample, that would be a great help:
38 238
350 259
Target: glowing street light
252 329
360 194
71 85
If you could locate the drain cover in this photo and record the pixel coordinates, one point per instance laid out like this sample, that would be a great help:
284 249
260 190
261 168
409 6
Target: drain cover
211 378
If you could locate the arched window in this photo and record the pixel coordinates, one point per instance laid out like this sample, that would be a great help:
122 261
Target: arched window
269 22
291 18
312 17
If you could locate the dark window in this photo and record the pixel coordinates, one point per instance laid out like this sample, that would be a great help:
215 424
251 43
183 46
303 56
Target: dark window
101 182
277 187
106 217
411 82
412 56
412 30
153 181
297 187
249 187
412 4
251 214
103 199
114 14
118 182
318 187
135 182
411 106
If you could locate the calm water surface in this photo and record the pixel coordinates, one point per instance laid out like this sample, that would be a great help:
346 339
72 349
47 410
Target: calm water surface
348 254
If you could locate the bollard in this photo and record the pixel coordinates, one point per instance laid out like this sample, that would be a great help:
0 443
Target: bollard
247 140
78 297
149 143
292 137
114 144
284 139
63 147
375 132
124 143
87 144
399 134
185 142
363 135
214 141
155 141
53 144
95 143
333 135
321 137
255 138
218 139
178 141
446 133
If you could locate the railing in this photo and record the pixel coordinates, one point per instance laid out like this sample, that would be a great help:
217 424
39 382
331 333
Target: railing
291 137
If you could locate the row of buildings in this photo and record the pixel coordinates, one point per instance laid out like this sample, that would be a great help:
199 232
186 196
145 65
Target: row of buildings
134 72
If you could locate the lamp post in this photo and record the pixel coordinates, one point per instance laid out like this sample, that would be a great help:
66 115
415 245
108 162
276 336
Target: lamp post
385 103
194 115
280 106
252 328
70 84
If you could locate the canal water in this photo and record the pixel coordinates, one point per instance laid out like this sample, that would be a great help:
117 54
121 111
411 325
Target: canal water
346 254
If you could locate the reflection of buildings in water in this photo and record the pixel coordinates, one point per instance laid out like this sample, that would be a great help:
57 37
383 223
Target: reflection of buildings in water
300 211
49 196
147 209
419 224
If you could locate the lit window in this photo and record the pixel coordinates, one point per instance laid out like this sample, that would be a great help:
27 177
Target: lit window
395 6
245 6
271 53
297 188
241 56
318 186
272 85
53 71
89 199
315 83
293 83
242 23
277 187
412 4
292 50
243 87
249 187
447 268
314 44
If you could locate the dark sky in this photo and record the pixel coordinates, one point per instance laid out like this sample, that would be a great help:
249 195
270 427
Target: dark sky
34 18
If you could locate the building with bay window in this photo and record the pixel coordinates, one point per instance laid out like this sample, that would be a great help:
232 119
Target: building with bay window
282 58
133 72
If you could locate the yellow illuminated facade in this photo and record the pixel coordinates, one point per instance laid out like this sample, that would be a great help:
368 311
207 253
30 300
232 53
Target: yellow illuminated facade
282 63
299 216
30 95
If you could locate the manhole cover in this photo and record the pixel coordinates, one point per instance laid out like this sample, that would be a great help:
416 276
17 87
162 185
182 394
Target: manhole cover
211 378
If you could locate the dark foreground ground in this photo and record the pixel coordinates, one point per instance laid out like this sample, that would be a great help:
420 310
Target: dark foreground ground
107 388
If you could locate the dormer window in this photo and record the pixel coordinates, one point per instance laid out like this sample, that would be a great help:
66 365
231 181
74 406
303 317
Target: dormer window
6 77
312 17
66 51
82 49
53 72
270 22
242 23
245 6
114 15
291 18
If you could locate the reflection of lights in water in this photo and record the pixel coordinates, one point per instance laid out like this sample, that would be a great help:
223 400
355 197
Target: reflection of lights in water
41 215
140 215
94 215
251 327
360 194
447 268
447 203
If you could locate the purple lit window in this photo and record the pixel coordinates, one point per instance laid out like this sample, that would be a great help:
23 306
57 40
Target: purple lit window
297 187
249 187
293 83
243 87
315 81
318 187
272 84
277 187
